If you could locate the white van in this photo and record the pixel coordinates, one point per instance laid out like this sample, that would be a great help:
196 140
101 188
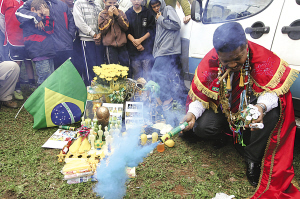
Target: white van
274 24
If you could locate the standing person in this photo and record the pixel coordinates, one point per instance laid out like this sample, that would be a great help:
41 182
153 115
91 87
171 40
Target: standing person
124 5
9 74
15 43
41 50
64 29
70 4
185 5
166 51
3 49
113 24
141 34
269 151
86 19
77 54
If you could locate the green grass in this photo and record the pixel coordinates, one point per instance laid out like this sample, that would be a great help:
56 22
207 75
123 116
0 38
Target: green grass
185 171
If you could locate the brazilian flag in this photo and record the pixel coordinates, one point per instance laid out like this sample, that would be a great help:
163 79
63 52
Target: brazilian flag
59 100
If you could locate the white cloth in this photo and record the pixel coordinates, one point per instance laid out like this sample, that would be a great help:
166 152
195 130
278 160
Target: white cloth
269 99
2 23
223 196
196 108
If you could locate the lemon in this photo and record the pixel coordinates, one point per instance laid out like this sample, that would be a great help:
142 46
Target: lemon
170 143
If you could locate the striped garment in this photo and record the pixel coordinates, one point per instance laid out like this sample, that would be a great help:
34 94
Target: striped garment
85 14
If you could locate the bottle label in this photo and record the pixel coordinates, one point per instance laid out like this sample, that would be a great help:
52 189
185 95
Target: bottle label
65 150
182 126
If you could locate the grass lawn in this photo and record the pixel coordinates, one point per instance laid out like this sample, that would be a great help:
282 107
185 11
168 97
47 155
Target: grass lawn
185 171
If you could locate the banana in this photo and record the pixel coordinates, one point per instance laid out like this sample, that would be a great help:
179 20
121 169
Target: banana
76 168
75 146
85 146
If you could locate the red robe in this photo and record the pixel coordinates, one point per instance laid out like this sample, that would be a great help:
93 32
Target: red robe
269 73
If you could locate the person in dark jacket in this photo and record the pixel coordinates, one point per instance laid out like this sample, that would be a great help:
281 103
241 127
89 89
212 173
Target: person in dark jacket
64 29
141 34
113 24
38 43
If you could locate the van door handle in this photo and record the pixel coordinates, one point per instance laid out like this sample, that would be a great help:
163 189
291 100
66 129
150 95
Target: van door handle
287 29
293 30
257 30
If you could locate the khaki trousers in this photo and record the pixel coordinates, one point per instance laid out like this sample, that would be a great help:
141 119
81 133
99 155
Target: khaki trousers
9 74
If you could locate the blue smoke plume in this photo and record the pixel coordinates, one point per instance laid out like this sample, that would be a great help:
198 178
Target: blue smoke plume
111 173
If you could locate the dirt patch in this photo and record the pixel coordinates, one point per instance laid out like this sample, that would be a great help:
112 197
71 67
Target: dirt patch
156 184
9 195
180 190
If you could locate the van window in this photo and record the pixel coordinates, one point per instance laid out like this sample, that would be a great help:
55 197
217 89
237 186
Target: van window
217 11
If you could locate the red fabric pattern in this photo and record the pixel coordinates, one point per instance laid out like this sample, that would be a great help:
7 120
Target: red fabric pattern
236 92
35 37
47 20
278 170
66 20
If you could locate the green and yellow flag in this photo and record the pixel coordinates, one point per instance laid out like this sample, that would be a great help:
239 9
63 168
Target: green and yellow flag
59 100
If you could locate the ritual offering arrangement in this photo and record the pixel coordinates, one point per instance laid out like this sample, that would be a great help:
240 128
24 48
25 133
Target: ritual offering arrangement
114 103
87 147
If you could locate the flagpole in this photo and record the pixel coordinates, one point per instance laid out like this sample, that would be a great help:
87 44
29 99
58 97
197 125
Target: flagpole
19 111
21 107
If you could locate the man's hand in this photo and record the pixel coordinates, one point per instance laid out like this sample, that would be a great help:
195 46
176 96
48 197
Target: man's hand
45 11
190 119
110 11
158 15
115 11
259 119
97 39
186 19
136 42
140 48
40 25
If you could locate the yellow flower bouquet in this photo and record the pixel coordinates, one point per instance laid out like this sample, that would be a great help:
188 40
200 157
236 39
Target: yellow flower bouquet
110 77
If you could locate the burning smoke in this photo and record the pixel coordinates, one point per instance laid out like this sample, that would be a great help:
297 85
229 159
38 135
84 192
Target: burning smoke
111 174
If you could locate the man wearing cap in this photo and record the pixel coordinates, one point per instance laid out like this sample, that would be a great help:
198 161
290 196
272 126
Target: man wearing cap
234 74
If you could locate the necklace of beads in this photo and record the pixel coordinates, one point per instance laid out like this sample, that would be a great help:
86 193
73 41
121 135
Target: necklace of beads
236 120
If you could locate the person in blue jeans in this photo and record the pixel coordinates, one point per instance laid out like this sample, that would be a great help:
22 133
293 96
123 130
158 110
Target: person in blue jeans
38 43
166 51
